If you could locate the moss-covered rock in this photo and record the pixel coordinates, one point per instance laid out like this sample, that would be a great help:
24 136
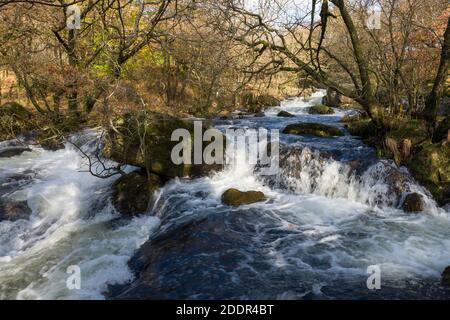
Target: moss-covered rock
317 129
256 103
431 167
320 109
145 141
413 203
133 193
234 197
285 114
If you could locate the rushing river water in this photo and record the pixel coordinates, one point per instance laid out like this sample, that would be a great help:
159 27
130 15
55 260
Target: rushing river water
313 238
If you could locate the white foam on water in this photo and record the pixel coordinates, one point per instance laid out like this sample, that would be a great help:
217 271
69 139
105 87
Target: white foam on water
70 224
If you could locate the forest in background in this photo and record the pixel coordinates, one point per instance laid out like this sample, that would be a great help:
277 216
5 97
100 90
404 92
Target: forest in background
208 58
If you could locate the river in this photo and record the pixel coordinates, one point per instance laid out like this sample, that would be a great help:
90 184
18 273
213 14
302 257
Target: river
314 238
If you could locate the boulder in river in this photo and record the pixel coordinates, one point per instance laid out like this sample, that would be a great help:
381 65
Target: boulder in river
133 193
256 103
285 114
320 109
145 141
413 203
234 197
13 151
317 129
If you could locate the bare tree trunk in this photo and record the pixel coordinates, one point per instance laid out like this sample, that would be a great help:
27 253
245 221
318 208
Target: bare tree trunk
434 97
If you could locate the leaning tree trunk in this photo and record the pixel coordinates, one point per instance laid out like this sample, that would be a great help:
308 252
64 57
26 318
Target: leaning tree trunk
434 97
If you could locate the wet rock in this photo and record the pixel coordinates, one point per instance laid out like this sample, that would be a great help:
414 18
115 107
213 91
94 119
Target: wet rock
194 257
133 193
260 115
285 114
446 276
320 109
12 210
317 129
13 151
413 203
153 151
234 197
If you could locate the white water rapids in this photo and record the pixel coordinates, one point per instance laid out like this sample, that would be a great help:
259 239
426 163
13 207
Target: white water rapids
329 226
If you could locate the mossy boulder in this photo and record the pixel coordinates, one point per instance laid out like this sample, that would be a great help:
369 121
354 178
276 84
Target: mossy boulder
446 276
145 141
413 203
320 109
133 194
285 114
234 197
317 129
431 167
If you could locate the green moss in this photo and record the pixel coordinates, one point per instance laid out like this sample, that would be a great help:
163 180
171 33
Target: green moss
431 167
234 197
317 129
320 109
363 128
414 130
